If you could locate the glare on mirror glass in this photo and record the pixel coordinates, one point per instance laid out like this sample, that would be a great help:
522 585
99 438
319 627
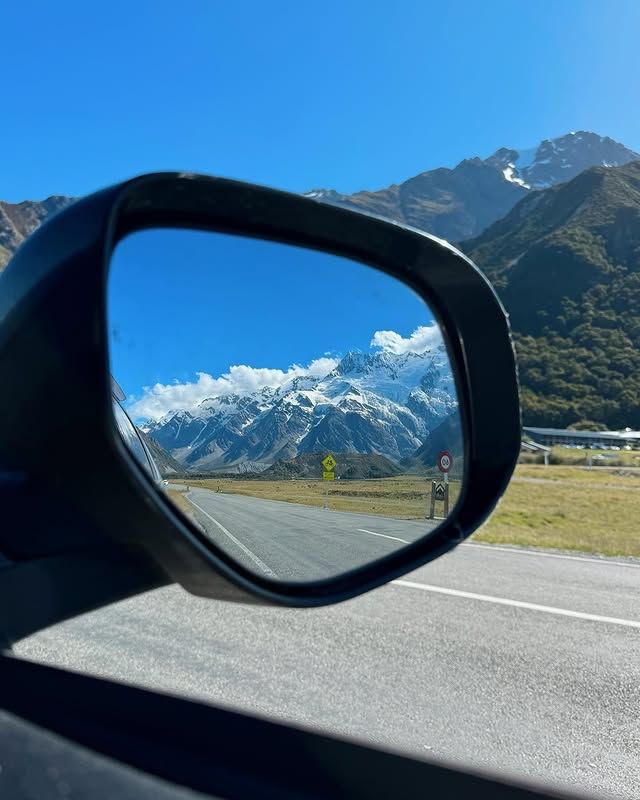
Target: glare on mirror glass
301 406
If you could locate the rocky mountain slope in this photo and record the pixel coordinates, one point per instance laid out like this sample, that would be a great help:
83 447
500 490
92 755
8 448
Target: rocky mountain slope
447 436
167 465
460 203
566 262
18 220
375 403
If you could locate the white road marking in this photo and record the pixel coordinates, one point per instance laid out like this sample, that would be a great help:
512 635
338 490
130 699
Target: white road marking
257 561
523 552
608 562
502 601
384 535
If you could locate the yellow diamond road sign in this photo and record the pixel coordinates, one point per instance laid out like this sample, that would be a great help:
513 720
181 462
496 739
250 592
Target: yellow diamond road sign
328 476
329 462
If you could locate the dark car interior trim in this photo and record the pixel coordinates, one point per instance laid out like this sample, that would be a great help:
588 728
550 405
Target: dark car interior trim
223 752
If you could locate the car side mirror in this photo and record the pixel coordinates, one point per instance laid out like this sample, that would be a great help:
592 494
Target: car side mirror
331 398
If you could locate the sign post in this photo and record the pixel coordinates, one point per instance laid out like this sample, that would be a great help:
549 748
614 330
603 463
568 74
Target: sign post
328 464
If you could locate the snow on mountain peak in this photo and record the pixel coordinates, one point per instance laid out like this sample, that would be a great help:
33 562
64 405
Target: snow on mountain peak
392 398
560 159
509 174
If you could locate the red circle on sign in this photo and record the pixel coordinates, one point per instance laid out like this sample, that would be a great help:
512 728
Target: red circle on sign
445 461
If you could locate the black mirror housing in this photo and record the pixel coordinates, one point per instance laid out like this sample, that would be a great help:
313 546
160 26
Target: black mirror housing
54 353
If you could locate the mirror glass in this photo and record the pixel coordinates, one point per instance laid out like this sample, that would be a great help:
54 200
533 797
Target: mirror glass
300 407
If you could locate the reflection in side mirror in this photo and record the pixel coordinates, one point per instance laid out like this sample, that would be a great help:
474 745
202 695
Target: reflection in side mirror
301 405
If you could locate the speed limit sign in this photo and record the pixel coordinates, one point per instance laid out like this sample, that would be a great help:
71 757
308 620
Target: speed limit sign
445 461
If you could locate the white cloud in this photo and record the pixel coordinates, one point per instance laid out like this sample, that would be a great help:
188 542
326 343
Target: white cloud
425 337
158 400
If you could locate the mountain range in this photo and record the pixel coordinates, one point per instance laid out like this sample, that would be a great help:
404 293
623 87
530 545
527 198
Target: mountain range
555 227
454 204
375 403
459 203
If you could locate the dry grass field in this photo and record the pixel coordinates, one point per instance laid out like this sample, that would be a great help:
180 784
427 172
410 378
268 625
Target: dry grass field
566 507
406 497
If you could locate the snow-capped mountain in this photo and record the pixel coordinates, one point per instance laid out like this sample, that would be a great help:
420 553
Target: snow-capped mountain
380 403
559 160
459 203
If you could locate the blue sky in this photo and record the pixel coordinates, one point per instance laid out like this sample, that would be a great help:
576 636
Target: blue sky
194 315
340 93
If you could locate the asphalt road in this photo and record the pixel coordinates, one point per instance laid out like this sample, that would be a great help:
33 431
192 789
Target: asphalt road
501 658
295 542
